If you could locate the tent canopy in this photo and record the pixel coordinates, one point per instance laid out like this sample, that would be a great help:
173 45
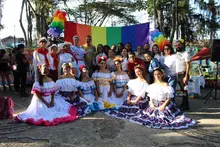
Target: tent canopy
204 53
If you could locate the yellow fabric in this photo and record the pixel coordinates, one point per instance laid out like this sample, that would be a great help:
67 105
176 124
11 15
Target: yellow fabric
98 35
108 105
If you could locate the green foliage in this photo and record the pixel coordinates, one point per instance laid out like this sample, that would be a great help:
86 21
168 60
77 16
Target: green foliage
98 12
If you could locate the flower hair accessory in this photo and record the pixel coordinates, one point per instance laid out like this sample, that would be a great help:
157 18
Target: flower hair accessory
119 59
83 68
67 64
102 58
139 66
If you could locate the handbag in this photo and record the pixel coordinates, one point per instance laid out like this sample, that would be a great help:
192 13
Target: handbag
6 107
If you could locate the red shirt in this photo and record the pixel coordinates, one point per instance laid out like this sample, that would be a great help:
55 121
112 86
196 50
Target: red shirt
136 62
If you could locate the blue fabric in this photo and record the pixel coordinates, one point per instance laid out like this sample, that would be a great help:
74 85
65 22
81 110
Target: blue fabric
172 81
154 63
129 35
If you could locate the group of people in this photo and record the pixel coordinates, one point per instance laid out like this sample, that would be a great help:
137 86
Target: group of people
74 81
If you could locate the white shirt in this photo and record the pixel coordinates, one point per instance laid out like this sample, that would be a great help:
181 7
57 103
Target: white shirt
51 62
169 64
124 64
181 59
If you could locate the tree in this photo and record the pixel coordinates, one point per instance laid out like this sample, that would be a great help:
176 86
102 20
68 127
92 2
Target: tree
98 13
1 6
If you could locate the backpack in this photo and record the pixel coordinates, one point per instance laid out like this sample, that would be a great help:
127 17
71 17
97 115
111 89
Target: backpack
6 107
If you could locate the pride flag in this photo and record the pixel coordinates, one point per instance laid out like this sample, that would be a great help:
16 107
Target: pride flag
135 34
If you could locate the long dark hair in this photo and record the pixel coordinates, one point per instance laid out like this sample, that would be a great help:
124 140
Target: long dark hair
153 50
171 49
40 78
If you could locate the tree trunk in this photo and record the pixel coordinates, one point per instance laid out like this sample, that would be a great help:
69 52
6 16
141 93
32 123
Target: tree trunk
21 24
173 27
29 20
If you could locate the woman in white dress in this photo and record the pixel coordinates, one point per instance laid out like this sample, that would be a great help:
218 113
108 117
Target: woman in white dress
161 111
103 79
124 63
45 109
120 83
88 91
68 90
136 99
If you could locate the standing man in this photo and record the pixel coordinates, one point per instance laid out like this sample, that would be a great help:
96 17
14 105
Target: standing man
21 69
182 72
90 50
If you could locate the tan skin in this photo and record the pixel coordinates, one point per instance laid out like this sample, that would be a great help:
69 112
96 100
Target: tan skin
158 76
140 77
147 57
44 71
167 51
68 74
43 44
186 78
86 78
67 47
119 72
103 69
124 53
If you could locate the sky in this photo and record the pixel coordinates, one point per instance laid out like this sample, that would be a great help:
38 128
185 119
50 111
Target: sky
11 15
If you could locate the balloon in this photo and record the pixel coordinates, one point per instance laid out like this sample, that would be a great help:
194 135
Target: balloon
161 36
156 30
63 13
55 35
56 19
50 31
60 16
156 39
54 24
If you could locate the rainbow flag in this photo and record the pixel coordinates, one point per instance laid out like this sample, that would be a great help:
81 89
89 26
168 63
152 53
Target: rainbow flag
135 34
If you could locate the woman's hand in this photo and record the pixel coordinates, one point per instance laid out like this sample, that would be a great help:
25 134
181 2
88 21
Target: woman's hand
134 103
96 99
47 104
152 106
128 101
109 93
162 108
51 103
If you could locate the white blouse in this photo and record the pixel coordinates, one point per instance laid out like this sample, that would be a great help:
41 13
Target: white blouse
159 92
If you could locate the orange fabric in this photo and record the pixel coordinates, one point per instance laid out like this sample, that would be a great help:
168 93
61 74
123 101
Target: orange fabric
82 34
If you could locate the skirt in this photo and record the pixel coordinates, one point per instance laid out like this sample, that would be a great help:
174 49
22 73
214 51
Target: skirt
170 118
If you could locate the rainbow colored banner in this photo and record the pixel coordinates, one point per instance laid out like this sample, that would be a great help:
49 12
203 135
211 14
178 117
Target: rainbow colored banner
135 34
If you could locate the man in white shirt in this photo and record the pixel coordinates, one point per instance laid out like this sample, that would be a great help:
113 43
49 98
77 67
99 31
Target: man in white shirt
182 72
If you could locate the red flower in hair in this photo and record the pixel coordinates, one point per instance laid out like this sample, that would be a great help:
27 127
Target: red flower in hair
81 67
102 58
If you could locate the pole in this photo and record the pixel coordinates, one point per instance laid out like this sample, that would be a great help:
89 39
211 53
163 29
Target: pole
154 14
177 27
14 38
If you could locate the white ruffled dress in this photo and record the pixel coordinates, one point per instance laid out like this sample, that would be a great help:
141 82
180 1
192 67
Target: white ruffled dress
170 118
39 114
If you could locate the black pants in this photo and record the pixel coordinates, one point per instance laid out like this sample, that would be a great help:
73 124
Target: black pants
185 101
20 78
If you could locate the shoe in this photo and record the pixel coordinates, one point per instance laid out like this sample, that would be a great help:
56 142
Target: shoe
4 88
24 95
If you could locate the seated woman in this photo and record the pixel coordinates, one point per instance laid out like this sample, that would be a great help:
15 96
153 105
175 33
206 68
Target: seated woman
68 90
120 83
162 112
136 99
45 109
103 78
88 91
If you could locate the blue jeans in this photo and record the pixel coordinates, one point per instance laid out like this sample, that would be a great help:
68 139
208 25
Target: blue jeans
172 81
